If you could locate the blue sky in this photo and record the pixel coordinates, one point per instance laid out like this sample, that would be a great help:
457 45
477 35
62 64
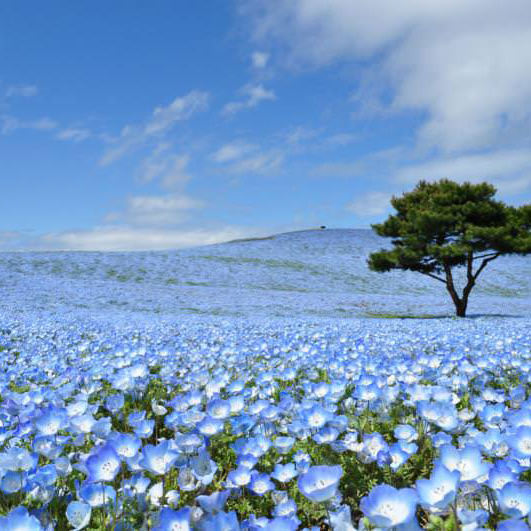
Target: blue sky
149 125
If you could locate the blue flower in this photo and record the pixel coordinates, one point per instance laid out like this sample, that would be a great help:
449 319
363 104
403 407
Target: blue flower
125 444
78 514
500 474
520 442
320 482
386 506
158 459
260 483
97 494
284 473
103 465
440 490
515 499
215 502
20 520
468 461
170 520
220 521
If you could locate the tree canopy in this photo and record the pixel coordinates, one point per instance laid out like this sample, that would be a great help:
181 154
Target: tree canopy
444 224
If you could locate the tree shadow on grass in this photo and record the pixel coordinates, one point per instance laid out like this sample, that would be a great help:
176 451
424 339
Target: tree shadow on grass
377 315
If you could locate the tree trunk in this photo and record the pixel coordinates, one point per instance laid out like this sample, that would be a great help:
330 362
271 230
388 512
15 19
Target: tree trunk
459 302
460 307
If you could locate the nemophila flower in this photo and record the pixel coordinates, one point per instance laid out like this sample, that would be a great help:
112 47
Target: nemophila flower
63 466
187 480
320 483
520 442
242 424
50 421
512 525
237 403
13 482
341 519
247 460
78 514
501 474
158 459
283 523
373 444
203 467
215 502
188 443
103 465
326 435
492 415
135 485
115 402
239 477
83 423
515 499
158 497
210 426
406 433
397 456
218 409
220 521
79 407
45 476
440 439
302 462
283 444
388 507
260 483
97 494
468 461
315 417
284 473
124 444
144 428
170 520
19 519
18 459
472 520
441 489
286 508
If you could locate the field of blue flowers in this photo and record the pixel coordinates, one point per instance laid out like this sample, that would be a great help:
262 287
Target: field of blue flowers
260 385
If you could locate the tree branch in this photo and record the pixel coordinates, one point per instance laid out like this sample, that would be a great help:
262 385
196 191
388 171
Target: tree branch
434 276
484 264
485 255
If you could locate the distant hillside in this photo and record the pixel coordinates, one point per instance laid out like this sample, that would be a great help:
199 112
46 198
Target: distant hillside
311 274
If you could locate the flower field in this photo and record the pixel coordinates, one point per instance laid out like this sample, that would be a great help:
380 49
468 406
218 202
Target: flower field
124 420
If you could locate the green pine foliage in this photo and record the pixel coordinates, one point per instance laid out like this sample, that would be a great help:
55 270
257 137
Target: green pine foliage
442 225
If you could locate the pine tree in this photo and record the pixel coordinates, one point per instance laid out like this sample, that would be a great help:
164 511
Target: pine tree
442 225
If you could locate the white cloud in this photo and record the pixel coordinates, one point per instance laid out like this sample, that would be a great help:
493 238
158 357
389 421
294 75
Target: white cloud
508 170
370 204
124 238
161 122
232 151
168 168
253 95
74 134
159 210
259 59
260 163
11 123
25 91
300 133
341 139
465 64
